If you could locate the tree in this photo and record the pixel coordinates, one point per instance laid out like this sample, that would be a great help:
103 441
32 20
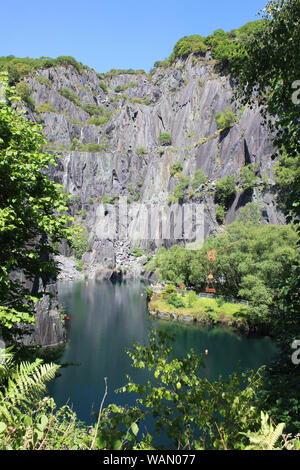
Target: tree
226 119
268 75
33 214
225 190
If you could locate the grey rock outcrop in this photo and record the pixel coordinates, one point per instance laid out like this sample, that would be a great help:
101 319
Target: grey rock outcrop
131 164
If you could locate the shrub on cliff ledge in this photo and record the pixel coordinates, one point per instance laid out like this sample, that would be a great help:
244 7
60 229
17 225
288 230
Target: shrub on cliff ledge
226 119
187 45
165 139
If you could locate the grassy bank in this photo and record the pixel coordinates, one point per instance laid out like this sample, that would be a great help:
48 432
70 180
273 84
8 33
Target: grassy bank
203 310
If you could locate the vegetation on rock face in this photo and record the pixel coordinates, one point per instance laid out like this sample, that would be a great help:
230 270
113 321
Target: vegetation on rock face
69 95
178 193
164 139
225 190
199 179
226 119
18 68
224 47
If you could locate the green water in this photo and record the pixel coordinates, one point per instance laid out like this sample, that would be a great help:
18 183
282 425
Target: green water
107 318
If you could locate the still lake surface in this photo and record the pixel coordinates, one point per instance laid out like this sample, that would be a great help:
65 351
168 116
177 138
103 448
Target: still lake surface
107 318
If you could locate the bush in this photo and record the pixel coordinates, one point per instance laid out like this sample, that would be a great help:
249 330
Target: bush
226 119
97 121
192 298
199 179
141 150
23 90
103 86
125 87
247 176
93 148
136 100
170 289
46 108
175 300
165 139
187 45
44 81
178 193
220 214
225 190
176 168
69 95
93 109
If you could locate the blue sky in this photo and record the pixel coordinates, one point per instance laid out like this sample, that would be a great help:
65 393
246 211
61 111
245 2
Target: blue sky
107 34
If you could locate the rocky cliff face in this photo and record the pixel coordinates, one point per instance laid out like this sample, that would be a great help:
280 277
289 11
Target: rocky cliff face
129 164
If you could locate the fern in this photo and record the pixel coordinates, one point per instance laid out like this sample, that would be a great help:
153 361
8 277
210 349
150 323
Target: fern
27 418
22 386
267 437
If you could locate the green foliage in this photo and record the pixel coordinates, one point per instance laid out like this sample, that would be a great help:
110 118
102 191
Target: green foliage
164 138
97 121
192 298
46 108
225 190
69 95
248 177
23 90
187 45
251 262
175 300
195 412
137 252
173 265
93 110
168 290
29 208
80 244
180 188
266 438
250 213
117 72
110 200
176 168
18 68
162 63
125 87
265 79
103 86
226 119
141 150
136 100
91 147
44 81
226 48
199 179
220 214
